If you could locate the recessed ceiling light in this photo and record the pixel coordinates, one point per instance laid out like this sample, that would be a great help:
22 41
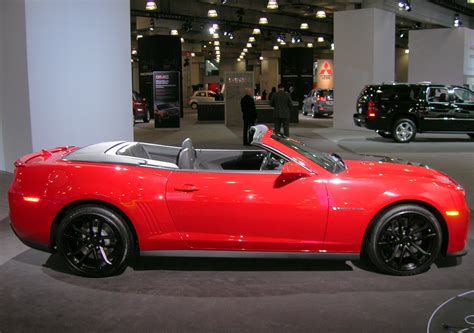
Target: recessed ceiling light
309 45
249 45
212 13
320 39
304 26
251 39
263 20
276 48
321 14
272 4
151 5
217 43
174 32
256 31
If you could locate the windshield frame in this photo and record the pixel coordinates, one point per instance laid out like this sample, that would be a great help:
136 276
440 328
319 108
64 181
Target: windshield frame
330 163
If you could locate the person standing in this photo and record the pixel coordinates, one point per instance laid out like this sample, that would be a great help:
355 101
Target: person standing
282 104
249 114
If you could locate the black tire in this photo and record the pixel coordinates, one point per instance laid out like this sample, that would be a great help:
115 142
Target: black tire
404 130
471 135
386 135
94 241
194 105
146 117
404 240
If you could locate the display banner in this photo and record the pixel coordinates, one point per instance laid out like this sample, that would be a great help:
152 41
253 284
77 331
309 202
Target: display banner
325 72
235 84
166 99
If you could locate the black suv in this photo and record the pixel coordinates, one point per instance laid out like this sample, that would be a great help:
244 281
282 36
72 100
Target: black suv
399 111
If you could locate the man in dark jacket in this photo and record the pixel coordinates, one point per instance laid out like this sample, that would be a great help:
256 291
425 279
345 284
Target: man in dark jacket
249 114
282 104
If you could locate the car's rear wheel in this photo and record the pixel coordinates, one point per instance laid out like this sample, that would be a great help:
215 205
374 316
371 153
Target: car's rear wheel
404 240
194 105
95 241
404 130
386 135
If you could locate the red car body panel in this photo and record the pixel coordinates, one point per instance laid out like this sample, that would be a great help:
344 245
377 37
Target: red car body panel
318 211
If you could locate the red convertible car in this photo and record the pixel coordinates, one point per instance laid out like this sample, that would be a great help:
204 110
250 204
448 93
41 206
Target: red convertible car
102 204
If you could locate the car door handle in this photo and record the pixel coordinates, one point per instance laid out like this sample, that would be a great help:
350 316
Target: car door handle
186 188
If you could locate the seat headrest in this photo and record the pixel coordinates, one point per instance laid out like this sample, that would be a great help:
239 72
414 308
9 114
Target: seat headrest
187 143
187 159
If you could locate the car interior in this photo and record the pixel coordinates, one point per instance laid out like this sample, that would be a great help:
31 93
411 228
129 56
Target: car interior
188 158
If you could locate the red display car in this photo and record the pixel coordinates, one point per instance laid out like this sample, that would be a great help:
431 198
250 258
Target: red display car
101 204
140 108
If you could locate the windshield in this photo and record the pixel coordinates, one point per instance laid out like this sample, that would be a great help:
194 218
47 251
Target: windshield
332 163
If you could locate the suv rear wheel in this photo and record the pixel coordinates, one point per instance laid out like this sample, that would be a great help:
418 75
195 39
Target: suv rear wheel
404 130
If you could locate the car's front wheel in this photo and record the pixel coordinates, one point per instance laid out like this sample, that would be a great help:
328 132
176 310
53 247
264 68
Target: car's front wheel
95 241
404 130
404 240
194 105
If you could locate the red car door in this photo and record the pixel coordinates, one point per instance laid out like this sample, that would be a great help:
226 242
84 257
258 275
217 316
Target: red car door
247 210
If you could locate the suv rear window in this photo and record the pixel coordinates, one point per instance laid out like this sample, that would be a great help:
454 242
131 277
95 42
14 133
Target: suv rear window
390 93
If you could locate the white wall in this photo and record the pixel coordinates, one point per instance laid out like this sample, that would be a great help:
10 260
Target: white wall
17 139
437 55
2 75
79 72
364 54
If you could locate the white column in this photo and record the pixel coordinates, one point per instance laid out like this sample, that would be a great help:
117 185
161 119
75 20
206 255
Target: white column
364 53
68 74
441 55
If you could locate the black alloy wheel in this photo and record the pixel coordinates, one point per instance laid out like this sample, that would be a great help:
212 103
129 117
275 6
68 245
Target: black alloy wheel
404 240
404 130
95 241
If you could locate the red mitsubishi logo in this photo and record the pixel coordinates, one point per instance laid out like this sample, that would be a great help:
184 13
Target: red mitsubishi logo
326 70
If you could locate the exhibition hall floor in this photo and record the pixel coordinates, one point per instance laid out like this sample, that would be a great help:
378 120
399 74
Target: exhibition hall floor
37 293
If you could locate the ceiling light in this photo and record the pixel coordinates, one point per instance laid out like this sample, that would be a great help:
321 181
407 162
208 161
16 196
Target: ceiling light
457 21
407 51
193 54
404 5
293 40
320 39
174 32
139 36
276 48
151 28
215 35
217 48
242 54
212 13
134 51
231 36
264 20
304 26
256 31
332 46
245 50
261 58
182 40
131 60
272 4
218 52
215 26
217 43
249 45
151 5
282 42
309 45
320 14
239 59
251 39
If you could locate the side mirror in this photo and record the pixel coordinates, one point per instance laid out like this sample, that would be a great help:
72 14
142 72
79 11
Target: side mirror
290 172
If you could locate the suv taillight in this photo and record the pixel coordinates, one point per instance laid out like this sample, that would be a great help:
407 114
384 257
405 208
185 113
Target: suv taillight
371 109
320 98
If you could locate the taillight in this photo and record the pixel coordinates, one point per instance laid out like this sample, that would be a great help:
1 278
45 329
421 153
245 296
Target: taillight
371 109
320 98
